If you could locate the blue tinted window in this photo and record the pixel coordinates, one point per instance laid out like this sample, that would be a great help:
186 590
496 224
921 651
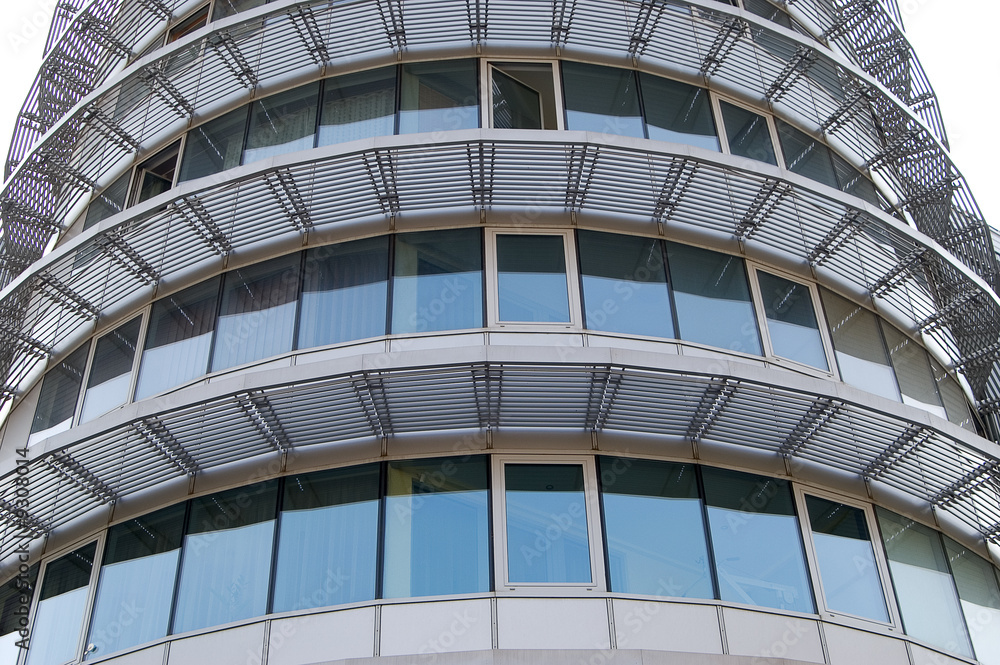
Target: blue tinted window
601 99
531 278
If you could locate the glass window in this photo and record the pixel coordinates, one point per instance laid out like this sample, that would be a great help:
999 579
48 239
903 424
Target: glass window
191 24
156 175
756 541
15 606
214 146
858 347
57 396
437 530
179 338
655 529
979 595
791 320
282 123
713 299
531 278
111 370
853 181
358 106
327 539
913 372
678 112
953 397
439 96
748 133
437 281
601 99
523 96
846 560
625 284
109 202
226 562
137 582
925 590
806 156
62 604
257 317
225 8
548 541
344 292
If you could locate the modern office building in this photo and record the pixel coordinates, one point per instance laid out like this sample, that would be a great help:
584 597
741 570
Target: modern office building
493 331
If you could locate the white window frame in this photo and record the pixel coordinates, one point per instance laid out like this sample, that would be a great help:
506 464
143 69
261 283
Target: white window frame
821 322
895 623
720 127
598 581
493 288
486 67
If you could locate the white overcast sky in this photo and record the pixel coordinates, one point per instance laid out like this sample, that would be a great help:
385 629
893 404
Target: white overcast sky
954 39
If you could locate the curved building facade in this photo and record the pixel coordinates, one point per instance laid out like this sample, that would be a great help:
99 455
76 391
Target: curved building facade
488 331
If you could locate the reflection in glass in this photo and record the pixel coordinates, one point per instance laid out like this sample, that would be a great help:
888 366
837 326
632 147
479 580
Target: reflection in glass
439 96
62 604
853 181
436 527
282 123
713 299
327 539
953 397
531 278
925 590
756 541
857 344
625 284
654 528
678 112
214 146
344 292
57 396
226 8
16 597
601 99
791 320
748 133
111 370
109 202
547 535
257 317
979 595
137 582
358 106
179 338
913 372
846 560
226 561
806 156
437 281
515 104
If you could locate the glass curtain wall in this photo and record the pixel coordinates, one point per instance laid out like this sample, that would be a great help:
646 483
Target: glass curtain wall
439 96
62 604
655 529
858 346
712 297
344 292
912 368
925 589
678 112
791 320
436 527
58 394
257 317
979 595
759 557
16 597
282 123
625 286
214 146
111 370
437 281
179 338
136 586
327 539
748 133
358 106
601 99
226 562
